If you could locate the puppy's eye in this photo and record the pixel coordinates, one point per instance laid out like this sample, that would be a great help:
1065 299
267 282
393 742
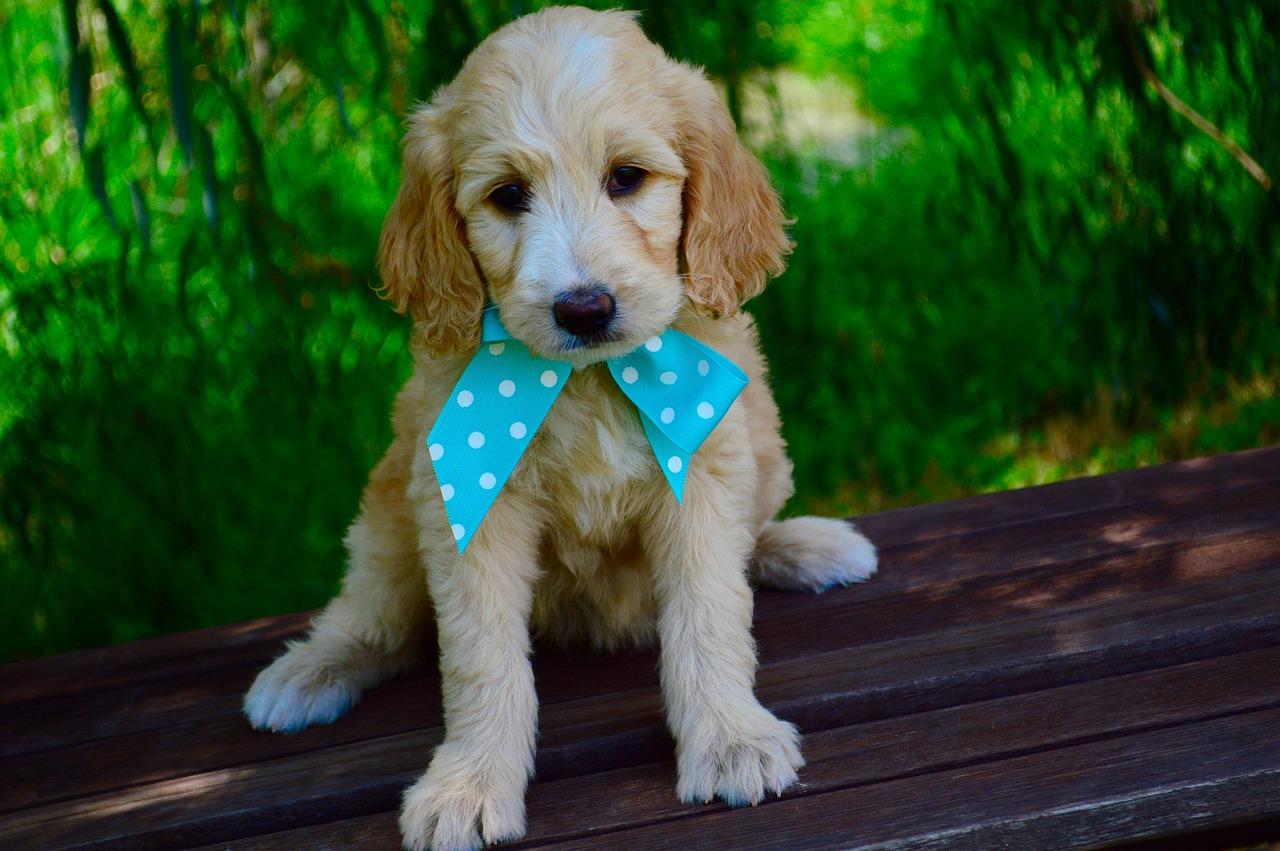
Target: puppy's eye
624 180
510 198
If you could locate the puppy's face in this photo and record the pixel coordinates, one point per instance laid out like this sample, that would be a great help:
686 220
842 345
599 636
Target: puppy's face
570 186
585 183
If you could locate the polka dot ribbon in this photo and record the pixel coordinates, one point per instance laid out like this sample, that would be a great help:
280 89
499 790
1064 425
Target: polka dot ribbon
680 387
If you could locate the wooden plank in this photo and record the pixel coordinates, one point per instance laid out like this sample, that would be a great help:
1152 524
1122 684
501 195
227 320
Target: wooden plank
1066 539
1257 835
34 727
1195 775
379 831
878 751
1022 586
212 734
159 658
834 689
933 585
1027 653
988 512
223 741
147 660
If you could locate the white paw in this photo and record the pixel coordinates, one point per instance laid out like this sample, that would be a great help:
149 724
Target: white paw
813 554
739 765
299 689
457 805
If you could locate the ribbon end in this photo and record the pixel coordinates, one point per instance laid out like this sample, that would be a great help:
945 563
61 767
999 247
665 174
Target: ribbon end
676 480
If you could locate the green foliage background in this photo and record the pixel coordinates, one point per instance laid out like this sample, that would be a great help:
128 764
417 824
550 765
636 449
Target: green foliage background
1015 263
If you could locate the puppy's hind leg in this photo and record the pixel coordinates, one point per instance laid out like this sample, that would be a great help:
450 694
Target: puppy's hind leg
372 630
811 554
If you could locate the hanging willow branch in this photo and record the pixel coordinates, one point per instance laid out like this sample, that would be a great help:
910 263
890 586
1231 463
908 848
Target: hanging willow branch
1128 29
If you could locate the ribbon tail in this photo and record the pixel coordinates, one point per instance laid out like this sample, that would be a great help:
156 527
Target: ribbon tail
682 389
485 427
671 458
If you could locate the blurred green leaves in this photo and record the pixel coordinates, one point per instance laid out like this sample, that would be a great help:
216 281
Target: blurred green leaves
1013 262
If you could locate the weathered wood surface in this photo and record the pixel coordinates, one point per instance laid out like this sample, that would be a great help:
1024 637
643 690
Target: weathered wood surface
1079 664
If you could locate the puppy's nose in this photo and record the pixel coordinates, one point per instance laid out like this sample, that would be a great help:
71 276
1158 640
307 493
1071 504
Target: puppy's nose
585 312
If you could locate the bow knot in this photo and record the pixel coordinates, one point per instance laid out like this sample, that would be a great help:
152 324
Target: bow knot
680 387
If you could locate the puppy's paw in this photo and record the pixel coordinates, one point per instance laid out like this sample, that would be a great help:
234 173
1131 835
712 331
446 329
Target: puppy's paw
299 689
740 763
458 806
812 554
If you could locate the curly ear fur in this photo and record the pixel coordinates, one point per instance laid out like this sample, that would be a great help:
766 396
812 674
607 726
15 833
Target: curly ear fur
427 267
734 238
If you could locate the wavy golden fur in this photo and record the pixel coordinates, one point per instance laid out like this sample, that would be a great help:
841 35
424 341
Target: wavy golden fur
585 541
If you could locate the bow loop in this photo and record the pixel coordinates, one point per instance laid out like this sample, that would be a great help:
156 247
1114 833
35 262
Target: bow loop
681 388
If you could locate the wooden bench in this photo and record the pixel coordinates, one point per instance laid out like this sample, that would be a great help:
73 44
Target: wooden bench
1090 662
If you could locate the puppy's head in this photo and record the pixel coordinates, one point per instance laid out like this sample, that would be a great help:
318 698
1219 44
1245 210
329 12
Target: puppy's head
584 182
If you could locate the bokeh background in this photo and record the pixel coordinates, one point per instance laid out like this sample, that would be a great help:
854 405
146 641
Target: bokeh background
1019 259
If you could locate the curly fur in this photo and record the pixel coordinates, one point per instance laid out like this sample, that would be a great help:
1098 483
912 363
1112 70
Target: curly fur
585 541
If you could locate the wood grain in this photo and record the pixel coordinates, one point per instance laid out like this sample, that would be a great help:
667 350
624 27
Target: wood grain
1090 662
1096 555
819 692
996 511
155 659
1136 786
1193 775
878 751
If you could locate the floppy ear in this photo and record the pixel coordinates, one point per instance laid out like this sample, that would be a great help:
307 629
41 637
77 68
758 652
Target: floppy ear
427 267
734 238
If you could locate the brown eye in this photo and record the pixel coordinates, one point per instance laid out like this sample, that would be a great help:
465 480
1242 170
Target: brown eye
624 180
510 198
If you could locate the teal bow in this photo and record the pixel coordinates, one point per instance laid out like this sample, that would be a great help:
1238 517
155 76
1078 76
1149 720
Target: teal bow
680 387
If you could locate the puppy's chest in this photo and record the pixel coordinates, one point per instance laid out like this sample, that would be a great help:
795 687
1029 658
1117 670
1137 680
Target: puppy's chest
591 459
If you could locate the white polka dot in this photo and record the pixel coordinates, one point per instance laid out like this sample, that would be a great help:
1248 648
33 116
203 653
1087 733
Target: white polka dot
446 491
476 440
437 451
518 431
496 349
706 411
703 367
507 388
549 378
487 481
668 377
630 375
674 464
465 399
458 531
667 415
653 344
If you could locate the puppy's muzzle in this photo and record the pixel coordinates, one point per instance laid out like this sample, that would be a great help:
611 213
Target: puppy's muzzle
585 313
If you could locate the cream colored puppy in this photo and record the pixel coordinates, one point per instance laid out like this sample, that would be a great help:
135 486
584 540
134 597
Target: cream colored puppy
595 190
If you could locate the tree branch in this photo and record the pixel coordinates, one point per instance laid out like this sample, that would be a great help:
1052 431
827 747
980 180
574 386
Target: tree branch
1129 32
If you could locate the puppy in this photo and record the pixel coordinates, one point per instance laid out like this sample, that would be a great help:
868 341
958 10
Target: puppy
571 155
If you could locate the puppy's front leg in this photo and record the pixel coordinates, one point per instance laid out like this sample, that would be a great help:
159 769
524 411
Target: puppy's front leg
475 785
727 744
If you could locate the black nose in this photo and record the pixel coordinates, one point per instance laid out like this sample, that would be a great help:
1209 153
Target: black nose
585 312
